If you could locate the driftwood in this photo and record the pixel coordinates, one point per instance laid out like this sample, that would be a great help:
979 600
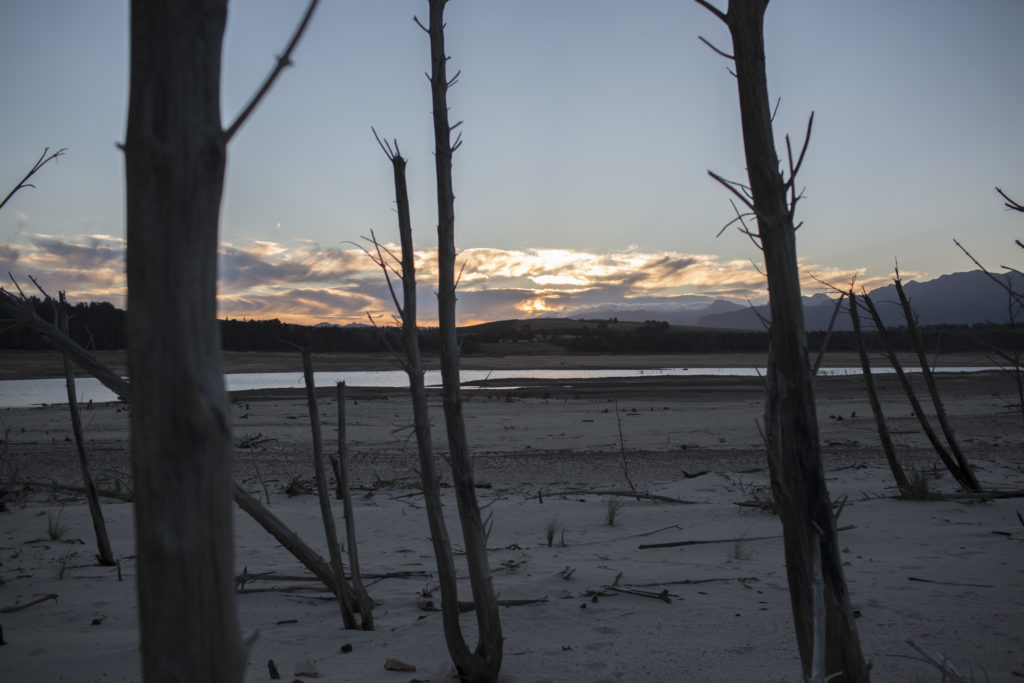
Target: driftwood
664 595
104 493
949 583
693 582
286 537
677 544
619 492
468 605
17 607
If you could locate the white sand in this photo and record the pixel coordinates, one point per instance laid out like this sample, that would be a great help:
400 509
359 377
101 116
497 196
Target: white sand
949 575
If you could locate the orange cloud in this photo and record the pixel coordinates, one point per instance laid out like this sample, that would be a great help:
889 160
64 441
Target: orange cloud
308 283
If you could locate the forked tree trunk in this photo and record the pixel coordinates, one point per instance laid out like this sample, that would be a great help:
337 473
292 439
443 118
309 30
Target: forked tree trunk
876 406
180 439
794 452
345 494
343 591
104 553
915 404
487 662
464 659
966 474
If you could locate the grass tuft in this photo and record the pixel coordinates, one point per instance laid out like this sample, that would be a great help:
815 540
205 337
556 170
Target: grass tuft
612 510
919 485
551 529
55 528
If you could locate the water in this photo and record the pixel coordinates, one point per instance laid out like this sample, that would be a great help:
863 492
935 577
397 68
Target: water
19 393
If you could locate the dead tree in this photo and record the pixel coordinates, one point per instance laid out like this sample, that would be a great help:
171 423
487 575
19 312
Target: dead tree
969 481
104 555
487 661
794 450
469 664
175 152
876 406
344 593
19 309
363 601
43 159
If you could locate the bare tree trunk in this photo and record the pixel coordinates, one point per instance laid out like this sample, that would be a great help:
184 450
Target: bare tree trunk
105 555
828 335
180 439
285 536
967 474
344 591
915 404
794 450
489 644
344 493
464 659
876 406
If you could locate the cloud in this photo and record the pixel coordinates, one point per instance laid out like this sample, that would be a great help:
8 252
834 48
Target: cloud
307 283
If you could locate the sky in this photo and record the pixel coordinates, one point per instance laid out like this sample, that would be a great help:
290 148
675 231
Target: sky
581 183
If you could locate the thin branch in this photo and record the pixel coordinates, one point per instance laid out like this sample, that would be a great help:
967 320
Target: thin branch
731 186
715 49
42 161
1010 203
714 10
793 170
283 62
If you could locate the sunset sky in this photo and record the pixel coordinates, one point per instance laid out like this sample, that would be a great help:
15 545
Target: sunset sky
582 180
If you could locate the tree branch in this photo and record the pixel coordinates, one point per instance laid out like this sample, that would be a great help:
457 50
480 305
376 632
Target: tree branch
714 10
715 49
42 161
1010 203
283 62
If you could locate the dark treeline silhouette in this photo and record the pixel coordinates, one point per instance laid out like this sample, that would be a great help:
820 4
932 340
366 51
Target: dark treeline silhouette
101 326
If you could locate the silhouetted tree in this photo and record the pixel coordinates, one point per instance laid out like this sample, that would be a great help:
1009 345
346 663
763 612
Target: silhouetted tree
791 429
182 459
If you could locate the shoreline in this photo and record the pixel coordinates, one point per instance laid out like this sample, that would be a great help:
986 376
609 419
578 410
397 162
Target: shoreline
19 364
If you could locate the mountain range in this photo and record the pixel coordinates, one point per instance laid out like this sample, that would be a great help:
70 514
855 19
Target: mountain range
955 299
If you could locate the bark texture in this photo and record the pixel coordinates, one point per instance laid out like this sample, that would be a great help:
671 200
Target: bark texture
181 442
794 451
486 663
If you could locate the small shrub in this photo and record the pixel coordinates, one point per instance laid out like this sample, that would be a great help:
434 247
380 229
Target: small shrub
740 548
64 564
551 530
55 528
919 485
612 510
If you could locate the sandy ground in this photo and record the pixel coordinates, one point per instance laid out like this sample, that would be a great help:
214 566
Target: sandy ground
947 574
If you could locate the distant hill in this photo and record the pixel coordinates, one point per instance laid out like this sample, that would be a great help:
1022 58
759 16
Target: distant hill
682 310
956 299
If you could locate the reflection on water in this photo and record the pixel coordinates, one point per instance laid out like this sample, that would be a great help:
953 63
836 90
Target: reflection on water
29 392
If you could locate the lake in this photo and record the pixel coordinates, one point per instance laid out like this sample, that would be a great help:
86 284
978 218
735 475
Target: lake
31 392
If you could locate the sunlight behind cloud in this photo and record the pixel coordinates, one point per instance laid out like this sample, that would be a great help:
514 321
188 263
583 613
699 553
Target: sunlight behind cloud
309 283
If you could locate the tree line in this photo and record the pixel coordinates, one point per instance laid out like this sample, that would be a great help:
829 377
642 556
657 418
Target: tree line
101 326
